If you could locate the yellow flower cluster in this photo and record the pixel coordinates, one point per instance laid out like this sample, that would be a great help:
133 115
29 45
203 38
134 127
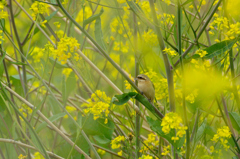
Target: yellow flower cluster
39 8
201 52
1 37
25 110
150 37
145 157
121 27
3 14
116 143
37 54
21 156
98 105
66 47
150 143
229 31
160 83
170 52
222 135
173 121
203 65
166 150
167 19
119 46
168 2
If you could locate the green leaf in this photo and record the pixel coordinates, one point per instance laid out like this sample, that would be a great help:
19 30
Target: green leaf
48 18
52 119
17 83
155 125
219 48
235 119
92 18
185 3
125 97
101 139
201 131
98 33
58 64
97 127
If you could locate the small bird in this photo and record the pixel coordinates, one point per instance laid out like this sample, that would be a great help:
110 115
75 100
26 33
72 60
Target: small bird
146 86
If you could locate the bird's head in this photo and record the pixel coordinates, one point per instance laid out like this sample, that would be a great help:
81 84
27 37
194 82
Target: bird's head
142 78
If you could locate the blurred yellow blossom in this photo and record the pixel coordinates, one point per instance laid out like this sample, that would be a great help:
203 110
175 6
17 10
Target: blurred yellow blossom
43 23
37 155
201 53
150 37
166 150
39 8
3 14
168 2
21 156
145 157
101 152
170 52
222 136
150 143
37 54
233 8
66 72
84 13
116 143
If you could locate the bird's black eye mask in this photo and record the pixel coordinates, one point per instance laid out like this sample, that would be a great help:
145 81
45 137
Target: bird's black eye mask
141 78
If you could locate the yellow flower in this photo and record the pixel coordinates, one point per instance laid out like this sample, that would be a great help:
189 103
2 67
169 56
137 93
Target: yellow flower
166 150
116 143
37 54
201 53
169 52
43 23
39 8
145 157
66 72
98 105
120 153
21 156
65 48
222 135
173 121
37 155
150 143
101 152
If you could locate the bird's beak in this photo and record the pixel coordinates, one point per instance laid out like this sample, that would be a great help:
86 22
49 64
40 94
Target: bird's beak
135 79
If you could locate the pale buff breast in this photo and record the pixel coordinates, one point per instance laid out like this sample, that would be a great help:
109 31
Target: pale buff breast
147 89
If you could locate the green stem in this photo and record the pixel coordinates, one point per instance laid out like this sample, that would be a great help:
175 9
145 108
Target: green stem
200 32
167 64
179 11
20 47
137 119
